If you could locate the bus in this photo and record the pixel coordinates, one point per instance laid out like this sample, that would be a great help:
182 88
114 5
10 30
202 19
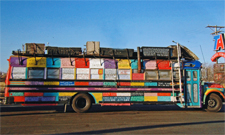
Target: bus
45 75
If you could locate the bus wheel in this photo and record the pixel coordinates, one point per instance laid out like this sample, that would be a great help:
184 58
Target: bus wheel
214 103
81 103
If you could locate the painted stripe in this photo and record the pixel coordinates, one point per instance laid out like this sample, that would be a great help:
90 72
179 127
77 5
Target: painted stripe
66 83
116 99
137 84
115 104
39 99
137 93
164 94
49 94
123 94
150 98
17 83
33 94
16 94
150 94
67 93
109 94
164 98
19 99
54 104
51 83
137 98
91 89
150 83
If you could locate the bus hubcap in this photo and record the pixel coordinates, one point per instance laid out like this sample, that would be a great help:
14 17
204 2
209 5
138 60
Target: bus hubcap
211 103
81 103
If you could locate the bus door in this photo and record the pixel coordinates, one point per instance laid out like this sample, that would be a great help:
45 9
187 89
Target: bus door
192 90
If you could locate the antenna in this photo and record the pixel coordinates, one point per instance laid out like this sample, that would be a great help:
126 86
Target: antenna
202 53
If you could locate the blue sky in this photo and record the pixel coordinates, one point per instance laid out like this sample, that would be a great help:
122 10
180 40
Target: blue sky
116 24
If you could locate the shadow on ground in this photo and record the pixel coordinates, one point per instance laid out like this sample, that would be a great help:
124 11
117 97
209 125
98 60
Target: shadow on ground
97 108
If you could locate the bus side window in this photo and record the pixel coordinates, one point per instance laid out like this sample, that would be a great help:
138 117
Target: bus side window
188 76
53 73
37 73
195 78
195 93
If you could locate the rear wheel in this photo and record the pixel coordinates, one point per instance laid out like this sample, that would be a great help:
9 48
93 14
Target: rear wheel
81 103
214 103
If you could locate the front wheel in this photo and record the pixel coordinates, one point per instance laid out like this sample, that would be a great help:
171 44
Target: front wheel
214 103
81 103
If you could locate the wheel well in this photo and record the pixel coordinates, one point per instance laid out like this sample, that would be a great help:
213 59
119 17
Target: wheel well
91 97
216 94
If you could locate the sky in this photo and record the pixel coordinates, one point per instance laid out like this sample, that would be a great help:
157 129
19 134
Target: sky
116 24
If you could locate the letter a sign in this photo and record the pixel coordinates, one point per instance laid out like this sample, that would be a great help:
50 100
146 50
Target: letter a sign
219 42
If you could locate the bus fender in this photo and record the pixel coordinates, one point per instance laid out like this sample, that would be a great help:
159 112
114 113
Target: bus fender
209 91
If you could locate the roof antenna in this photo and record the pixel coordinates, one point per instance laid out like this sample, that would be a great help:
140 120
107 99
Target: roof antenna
202 54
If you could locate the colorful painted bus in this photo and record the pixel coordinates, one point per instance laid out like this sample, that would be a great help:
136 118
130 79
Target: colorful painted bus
109 77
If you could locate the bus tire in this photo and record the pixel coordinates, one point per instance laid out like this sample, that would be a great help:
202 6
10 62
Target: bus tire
81 103
214 103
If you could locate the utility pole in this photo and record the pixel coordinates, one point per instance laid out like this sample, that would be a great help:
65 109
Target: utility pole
216 30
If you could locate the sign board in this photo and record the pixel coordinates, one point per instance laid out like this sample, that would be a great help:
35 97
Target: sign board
19 70
96 63
149 64
53 62
68 62
110 71
219 42
109 63
124 77
110 77
18 61
121 94
82 62
96 76
97 71
95 83
217 55
68 70
82 70
68 76
124 71
149 75
66 83
39 62
51 83
156 51
138 76
82 76
164 75
164 84
19 76
134 64
123 64
34 83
